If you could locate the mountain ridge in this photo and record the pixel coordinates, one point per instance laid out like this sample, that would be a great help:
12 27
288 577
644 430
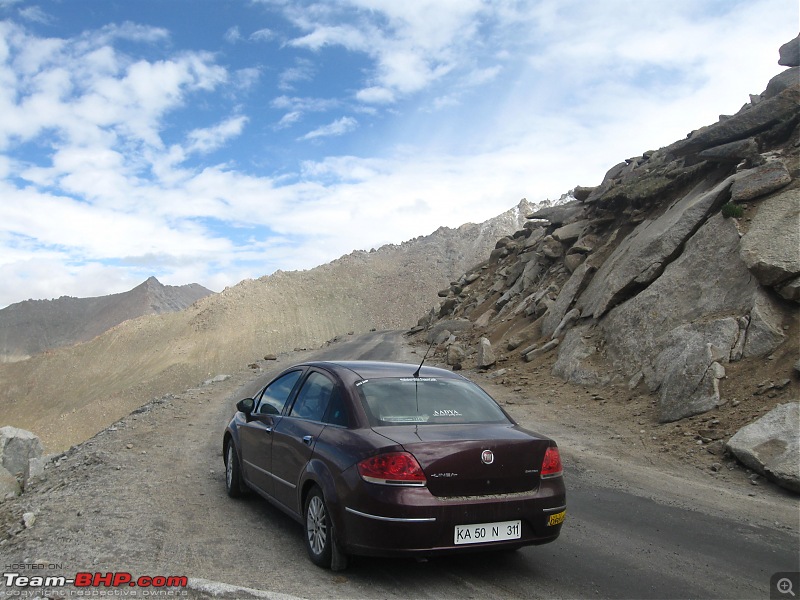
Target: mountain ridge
33 326
68 394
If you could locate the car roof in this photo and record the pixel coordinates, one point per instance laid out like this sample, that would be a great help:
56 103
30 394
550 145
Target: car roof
376 369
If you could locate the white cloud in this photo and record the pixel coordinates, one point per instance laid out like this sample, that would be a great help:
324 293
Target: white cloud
212 138
232 35
302 71
376 95
289 119
262 35
35 14
337 127
413 44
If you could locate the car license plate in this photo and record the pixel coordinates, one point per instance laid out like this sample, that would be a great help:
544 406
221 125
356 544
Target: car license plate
488 532
557 519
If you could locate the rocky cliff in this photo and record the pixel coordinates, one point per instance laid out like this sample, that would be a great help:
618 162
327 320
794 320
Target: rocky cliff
681 267
33 326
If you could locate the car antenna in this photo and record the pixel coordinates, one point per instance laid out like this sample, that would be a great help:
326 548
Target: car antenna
419 368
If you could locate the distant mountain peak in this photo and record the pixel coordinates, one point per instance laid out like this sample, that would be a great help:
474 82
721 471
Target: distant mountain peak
29 327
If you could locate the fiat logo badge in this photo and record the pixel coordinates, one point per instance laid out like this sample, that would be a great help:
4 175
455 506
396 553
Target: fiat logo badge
487 457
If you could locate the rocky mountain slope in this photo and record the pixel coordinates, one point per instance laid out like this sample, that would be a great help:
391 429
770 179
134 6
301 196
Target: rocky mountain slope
677 277
33 326
68 395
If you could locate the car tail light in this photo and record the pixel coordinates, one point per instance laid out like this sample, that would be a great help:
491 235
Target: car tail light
393 468
551 463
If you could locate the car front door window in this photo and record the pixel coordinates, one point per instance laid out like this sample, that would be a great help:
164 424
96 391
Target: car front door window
277 393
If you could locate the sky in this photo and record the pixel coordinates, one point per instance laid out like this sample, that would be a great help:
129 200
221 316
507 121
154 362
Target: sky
211 141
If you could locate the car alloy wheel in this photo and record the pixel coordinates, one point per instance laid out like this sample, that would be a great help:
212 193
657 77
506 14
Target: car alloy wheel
318 529
232 474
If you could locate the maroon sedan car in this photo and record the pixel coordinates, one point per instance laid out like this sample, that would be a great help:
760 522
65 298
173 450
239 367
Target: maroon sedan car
387 459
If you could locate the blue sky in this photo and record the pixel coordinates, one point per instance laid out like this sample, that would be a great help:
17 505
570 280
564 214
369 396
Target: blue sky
211 141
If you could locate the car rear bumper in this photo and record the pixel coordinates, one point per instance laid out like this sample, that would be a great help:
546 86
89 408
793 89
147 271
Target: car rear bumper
411 521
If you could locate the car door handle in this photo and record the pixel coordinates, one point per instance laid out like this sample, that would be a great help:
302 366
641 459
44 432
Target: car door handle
268 429
308 440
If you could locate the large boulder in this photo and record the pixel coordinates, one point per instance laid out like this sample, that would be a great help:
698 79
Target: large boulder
560 214
486 357
689 367
781 81
771 445
760 181
644 253
17 449
771 247
790 53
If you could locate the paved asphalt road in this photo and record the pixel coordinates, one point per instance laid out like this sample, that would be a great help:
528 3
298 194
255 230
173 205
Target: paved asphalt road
614 544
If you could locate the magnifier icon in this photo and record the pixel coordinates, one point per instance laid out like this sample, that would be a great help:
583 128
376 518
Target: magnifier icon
785 586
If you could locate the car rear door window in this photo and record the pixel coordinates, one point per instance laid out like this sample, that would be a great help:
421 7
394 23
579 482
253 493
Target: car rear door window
313 398
277 393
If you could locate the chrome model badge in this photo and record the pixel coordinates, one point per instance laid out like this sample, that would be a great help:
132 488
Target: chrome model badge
487 457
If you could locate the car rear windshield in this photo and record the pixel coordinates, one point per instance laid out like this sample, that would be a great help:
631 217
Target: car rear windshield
421 400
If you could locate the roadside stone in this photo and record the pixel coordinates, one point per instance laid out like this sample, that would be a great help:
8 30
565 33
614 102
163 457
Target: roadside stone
514 343
17 448
486 357
216 379
541 350
771 446
455 355
28 519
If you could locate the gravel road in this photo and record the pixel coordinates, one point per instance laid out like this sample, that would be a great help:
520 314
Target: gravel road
147 497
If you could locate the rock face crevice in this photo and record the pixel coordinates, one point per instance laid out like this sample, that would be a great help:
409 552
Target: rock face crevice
679 263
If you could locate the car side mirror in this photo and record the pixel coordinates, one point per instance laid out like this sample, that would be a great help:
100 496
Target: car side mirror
246 406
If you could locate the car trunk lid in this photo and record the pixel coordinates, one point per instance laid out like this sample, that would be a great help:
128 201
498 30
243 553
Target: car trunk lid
473 460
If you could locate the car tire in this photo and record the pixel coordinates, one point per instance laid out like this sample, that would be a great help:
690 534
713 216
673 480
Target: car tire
319 535
233 472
